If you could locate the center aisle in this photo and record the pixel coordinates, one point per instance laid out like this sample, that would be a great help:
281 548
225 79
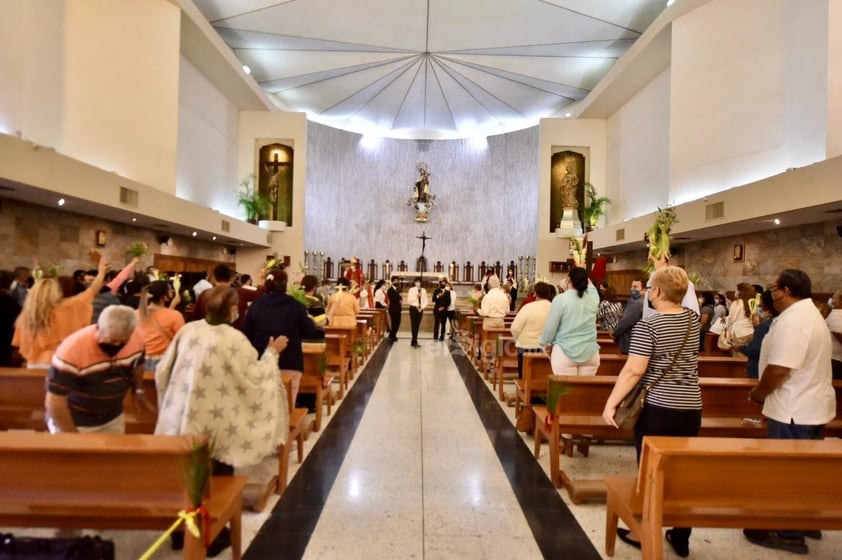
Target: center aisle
421 479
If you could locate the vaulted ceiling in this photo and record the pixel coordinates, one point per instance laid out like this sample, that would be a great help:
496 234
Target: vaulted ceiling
429 68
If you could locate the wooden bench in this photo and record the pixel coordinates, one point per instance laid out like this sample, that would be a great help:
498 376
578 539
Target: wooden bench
297 429
724 482
505 364
488 346
350 346
725 408
709 366
22 393
608 345
315 380
108 481
338 362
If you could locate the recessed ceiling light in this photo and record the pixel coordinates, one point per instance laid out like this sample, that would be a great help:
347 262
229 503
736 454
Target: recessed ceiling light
195 234
214 238
777 222
61 202
246 69
134 219
670 3
568 115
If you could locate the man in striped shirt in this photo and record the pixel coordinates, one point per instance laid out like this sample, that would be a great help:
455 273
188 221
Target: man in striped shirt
91 371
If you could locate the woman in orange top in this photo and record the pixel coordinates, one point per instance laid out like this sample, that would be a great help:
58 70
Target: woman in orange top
48 317
157 320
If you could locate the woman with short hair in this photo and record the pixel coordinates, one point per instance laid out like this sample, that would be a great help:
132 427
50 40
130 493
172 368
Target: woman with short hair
665 343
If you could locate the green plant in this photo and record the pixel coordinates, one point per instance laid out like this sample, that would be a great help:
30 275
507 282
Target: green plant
658 236
254 203
595 208
578 250
137 249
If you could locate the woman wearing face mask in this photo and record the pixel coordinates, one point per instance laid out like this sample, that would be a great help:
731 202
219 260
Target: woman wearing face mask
663 343
751 349
705 318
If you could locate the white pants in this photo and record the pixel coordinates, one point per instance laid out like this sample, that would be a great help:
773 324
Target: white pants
562 365
116 426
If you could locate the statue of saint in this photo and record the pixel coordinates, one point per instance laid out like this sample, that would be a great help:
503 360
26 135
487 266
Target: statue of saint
421 190
569 185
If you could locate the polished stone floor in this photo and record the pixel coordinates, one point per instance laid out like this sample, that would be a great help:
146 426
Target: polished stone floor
421 460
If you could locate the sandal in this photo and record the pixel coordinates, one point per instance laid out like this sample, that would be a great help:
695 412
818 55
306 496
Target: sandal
624 536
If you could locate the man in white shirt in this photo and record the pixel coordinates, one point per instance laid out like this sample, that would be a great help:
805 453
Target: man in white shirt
834 323
451 311
795 386
494 306
417 300
201 285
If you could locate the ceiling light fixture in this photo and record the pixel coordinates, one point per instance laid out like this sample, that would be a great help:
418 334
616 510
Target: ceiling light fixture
568 115
61 202
777 222
246 69
195 234
214 238
670 3
134 219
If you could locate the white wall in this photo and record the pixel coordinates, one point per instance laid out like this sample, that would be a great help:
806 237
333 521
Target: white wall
834 79
32 70
208 133
748 93
637 165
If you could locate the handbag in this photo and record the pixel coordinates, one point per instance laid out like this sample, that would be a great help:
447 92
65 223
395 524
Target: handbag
724 340
717 327
629 409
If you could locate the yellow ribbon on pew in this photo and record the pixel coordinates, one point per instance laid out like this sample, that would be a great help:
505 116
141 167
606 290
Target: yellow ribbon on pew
184 516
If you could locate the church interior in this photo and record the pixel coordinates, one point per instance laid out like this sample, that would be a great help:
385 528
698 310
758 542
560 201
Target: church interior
434 140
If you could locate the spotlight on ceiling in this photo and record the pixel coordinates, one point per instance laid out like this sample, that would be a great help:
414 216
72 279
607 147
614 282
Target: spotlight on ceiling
246 69
670 3
195 233
777 222
214 238
568 115
61 202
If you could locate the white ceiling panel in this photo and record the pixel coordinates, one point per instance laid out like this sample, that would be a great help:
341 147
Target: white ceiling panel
437 68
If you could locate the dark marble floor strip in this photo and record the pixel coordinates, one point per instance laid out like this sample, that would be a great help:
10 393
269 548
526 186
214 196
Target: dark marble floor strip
287 531
554 527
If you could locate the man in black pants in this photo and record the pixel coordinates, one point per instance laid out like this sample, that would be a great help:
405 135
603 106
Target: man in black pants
394 295
441 301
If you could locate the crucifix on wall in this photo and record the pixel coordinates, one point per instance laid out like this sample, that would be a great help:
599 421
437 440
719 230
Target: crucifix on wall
276 166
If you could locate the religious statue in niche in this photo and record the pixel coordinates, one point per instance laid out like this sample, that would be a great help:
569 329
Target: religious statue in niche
275 180
567 192
422 201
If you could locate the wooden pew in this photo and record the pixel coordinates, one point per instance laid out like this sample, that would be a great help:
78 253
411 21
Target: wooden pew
488 345
297 429
709 366
725 408
337 359
723 482
350 343
315 379
22 393
505 363
608 345
108 481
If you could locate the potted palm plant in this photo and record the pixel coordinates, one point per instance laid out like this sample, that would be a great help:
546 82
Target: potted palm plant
254 203
595 208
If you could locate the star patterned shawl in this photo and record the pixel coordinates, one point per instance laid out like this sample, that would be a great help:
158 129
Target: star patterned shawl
210 382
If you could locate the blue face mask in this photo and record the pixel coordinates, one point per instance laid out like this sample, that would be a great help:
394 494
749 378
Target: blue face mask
635 294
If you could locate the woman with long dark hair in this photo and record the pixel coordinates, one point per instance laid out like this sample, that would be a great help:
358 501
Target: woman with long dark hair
570 331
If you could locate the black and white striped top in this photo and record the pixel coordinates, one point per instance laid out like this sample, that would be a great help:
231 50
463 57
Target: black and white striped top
659 337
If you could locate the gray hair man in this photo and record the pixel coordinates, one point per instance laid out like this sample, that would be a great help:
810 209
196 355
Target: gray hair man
92 370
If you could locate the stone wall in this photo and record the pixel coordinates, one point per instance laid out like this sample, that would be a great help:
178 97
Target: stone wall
61 237
814 248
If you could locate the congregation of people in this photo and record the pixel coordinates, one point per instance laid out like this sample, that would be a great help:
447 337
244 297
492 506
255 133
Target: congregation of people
218 362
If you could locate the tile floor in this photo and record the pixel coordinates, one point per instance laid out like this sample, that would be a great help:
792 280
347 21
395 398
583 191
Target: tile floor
421 461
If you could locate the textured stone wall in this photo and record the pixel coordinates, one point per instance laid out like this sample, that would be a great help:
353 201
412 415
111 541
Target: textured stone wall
356 197
54 236
814 248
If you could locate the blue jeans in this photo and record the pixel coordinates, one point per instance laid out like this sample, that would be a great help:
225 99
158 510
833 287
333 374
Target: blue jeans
781 430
